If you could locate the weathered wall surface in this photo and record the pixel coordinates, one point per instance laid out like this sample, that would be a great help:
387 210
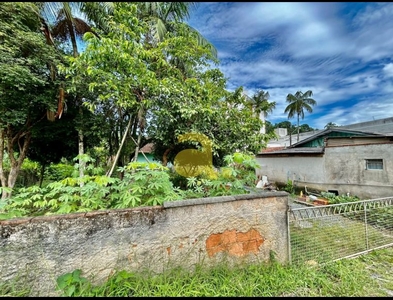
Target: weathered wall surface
296 168
237 229
341 168
346 166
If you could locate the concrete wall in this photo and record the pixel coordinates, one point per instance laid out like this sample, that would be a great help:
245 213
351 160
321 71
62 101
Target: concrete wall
238 229
345 166
295 168
341 169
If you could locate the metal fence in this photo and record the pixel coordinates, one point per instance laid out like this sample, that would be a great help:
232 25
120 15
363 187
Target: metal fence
319 234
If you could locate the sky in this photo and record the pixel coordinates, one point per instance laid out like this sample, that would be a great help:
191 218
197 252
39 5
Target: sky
341 51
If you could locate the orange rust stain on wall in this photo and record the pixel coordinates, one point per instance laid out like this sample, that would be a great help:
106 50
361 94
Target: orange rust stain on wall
234 243
168 250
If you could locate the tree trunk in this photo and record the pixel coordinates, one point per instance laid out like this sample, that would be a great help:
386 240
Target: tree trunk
298 127
16 164
81 151
109 174
13 175
137 146
165 157
3 178
42 174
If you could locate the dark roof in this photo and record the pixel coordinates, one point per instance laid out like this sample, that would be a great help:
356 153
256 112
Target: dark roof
334 129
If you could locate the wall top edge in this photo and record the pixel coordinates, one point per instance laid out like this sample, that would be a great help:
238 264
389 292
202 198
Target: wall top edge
219 199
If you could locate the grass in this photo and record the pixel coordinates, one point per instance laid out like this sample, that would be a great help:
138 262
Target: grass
368 275
13 289
331 237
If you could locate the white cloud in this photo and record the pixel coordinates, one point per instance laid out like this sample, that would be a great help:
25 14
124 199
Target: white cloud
388 69
341 51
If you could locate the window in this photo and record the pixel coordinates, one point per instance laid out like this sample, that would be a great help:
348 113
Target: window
374 164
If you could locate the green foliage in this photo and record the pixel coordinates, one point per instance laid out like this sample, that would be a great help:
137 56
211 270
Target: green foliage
330 125
30 166
297 103
53 141
242 167
380 218
143 184
289 187
29 173
148 184
334 199
72 284
203 187
232 179
236 125
26 89
56 172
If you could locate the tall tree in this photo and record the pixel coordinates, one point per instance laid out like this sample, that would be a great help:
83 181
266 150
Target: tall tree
297 104
235 127
68 27
121 69
261 106
125 72
162 19
26 89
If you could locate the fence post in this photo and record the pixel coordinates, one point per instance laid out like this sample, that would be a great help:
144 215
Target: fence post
365 227
289 236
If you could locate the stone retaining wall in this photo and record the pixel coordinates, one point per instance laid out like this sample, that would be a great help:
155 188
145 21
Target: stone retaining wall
237 229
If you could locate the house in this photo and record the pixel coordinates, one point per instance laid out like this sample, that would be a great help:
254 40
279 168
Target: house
338 160
284 139
287 140
145 153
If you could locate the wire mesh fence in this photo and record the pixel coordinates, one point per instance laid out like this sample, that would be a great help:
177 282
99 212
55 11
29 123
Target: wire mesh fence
320 234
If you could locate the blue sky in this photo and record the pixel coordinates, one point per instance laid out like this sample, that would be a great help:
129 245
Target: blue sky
342 51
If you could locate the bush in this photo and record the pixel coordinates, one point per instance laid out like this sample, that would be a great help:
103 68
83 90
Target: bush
335 199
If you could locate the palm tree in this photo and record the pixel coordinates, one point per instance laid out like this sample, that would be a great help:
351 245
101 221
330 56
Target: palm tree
297 104
68 27
160 16
261 106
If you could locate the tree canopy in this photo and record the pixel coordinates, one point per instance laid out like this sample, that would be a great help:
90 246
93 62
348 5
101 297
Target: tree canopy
144 76
26 89
297 104
167 102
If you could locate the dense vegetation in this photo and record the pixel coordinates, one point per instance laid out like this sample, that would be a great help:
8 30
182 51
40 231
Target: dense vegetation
142 184
84 86
144 76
